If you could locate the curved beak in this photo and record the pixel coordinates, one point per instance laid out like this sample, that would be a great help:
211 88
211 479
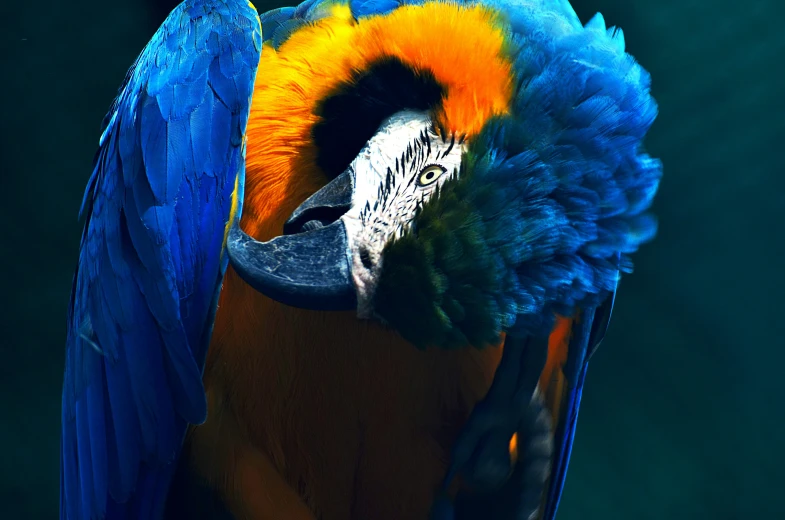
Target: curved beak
310 265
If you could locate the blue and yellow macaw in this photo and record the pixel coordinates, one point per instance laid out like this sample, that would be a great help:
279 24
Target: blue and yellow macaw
349 260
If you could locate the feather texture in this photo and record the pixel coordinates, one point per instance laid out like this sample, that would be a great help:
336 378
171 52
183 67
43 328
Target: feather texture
167 178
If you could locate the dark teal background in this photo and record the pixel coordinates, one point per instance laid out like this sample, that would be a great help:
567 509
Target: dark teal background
684 411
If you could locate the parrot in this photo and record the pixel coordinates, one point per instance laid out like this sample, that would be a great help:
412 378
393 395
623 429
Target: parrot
350 260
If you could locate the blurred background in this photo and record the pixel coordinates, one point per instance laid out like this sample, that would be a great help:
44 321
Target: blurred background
684 411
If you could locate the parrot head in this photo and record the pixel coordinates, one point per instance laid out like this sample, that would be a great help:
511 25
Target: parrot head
467 195
348 223
395 175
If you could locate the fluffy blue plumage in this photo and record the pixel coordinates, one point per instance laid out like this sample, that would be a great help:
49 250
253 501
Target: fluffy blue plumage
151 260
279 24
522 14
574 184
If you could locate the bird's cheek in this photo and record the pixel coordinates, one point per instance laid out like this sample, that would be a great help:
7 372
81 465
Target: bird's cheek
362 264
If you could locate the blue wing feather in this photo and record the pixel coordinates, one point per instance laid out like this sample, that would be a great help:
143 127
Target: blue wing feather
151 259
586 337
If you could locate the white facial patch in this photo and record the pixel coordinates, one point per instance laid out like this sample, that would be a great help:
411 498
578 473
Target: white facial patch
396 173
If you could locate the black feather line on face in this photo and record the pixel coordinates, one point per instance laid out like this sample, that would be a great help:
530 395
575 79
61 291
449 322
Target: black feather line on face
417 155
388 180
452 143
352 113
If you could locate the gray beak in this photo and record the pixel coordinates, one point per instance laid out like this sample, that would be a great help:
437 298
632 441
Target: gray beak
308 266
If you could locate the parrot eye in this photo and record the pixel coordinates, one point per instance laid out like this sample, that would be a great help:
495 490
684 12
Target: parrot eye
430 174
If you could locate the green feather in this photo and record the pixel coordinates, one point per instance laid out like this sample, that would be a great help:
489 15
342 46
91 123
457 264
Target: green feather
437 282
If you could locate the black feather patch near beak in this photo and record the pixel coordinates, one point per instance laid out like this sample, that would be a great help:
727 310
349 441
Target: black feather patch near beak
309 266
